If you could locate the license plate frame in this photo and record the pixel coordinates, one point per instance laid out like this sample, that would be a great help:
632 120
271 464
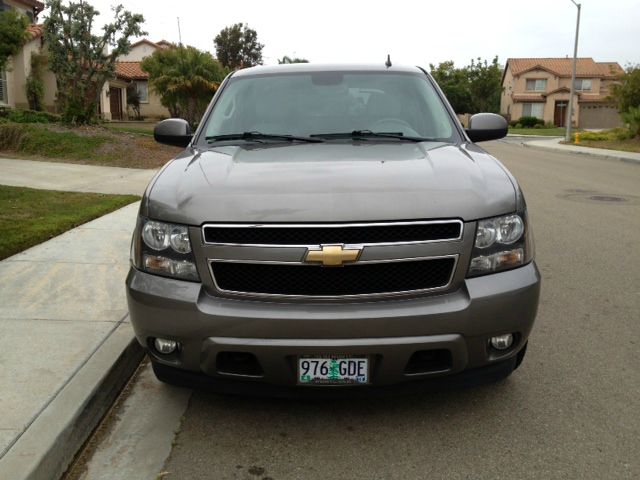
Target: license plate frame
327 370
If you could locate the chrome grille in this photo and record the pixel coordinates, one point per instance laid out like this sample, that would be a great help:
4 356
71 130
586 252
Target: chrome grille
268 260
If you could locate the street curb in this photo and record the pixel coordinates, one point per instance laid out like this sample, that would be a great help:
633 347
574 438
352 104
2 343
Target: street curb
517 135
49 445
580 152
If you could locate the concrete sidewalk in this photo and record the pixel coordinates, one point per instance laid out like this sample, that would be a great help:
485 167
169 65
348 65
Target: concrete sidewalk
74 178
66 346
555 145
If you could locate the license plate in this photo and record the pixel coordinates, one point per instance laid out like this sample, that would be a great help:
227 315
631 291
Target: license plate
333 370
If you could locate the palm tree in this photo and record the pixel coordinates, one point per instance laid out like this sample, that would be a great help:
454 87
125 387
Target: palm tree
185 78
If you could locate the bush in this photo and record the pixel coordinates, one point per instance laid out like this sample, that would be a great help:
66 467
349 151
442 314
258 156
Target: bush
616 134
538 126
549 125
518 125
530 122
28 116
11 136
632 118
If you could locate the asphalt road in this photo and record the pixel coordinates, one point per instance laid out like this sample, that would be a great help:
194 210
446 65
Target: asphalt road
571 411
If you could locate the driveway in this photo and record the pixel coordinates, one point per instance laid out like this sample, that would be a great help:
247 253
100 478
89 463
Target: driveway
74 178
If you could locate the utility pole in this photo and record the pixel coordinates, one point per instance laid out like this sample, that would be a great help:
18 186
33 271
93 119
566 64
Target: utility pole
180 33
573 76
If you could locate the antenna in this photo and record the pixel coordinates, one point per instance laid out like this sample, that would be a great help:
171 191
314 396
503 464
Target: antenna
388 62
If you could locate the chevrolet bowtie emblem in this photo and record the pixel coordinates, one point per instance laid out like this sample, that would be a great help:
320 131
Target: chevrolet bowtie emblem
333 255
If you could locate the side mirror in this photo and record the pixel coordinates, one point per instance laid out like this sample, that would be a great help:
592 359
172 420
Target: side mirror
487 126
173 131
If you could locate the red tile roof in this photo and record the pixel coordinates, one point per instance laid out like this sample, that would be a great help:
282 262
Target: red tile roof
130 71
585 67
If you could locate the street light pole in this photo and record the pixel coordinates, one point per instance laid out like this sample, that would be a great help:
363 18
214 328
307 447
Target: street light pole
573 76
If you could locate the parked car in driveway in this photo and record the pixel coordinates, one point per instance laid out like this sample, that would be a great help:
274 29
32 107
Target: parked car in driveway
332 229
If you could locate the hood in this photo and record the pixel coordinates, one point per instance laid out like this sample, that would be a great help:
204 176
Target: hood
330 182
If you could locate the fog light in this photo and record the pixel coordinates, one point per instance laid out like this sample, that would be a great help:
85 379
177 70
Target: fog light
165 346
502 342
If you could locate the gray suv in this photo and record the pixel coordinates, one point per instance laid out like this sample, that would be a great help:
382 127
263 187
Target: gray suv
332 229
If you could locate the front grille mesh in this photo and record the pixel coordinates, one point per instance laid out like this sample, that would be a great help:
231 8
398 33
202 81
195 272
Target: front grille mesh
314 235
312 280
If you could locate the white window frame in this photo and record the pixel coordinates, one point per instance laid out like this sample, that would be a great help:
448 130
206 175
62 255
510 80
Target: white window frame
146 83
4 88
539 85
531 105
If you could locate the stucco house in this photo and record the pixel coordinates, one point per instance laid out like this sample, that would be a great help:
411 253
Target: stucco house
540 87
14 77
113 103
113 98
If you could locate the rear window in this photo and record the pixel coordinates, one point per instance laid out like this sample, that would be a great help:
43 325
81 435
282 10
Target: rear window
331 102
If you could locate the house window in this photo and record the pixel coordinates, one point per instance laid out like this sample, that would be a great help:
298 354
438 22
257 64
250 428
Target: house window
4 94
537 84
143 91
582 84
533 110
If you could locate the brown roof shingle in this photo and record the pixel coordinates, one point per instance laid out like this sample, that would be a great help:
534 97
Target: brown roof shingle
585 67
130 71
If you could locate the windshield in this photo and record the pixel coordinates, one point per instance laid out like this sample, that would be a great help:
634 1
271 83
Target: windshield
305 104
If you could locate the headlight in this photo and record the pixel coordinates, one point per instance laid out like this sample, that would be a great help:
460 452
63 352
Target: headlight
163 249
501 243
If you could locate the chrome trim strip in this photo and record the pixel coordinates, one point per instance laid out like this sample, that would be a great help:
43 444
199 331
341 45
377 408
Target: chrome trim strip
336 297
330 225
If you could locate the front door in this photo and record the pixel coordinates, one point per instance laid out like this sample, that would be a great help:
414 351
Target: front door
560 113
115 101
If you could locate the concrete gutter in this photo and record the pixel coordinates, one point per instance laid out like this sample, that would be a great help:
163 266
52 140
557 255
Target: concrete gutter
555 145
67 347
50 443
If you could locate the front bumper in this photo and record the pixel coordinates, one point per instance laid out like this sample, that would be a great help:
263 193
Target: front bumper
389 331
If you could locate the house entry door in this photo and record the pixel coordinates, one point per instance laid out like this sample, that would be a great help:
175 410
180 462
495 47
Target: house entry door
115 102
560 113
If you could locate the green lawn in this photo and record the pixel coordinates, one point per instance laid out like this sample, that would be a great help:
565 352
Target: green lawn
128 129
628 145
547 132
29 216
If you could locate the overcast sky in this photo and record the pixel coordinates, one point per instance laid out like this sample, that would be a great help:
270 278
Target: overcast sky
414 32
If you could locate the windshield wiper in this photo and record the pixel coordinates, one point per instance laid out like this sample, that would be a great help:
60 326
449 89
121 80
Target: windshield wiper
361 134
261 136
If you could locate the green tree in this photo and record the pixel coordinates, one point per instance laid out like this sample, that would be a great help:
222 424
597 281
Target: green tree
627 92
237 46
133 100
287 59
79 59
485 85
185 78
13 34
454 82
471 89
34 86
